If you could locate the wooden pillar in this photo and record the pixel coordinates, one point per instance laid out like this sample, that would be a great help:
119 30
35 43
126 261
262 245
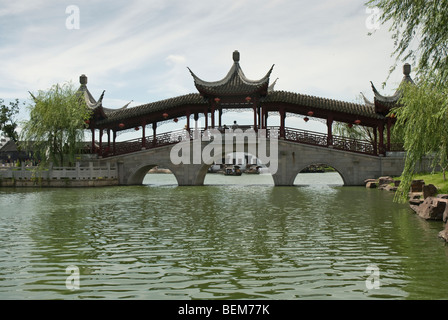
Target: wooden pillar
196 118
282 122
381 132
375 141
108 138
213 117
266 114
188 120
154 134
114 138
144 135
100 151
93 141
330 130
389 124
220 118
206 118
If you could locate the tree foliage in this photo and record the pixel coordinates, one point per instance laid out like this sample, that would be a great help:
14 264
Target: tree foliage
422 121
8 123
420 35
56 125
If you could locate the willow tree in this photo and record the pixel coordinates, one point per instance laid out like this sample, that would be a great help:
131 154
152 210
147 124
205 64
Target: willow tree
420 36
56 125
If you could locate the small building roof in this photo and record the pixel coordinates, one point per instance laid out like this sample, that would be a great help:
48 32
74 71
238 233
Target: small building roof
96 106
383 104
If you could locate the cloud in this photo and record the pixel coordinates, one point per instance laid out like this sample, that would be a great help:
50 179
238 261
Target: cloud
140 50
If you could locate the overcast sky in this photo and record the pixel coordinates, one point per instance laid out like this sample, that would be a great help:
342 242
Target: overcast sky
140 50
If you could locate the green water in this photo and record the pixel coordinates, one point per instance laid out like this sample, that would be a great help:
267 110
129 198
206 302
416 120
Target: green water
235 238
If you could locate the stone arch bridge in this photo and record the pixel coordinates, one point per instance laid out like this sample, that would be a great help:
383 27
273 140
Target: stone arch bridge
355 160
291 158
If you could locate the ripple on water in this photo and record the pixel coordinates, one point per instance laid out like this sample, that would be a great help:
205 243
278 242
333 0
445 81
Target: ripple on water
215 242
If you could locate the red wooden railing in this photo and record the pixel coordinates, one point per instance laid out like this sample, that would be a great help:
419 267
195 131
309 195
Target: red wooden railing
290 134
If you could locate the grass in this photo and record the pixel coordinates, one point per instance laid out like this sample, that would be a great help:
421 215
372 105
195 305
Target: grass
435 178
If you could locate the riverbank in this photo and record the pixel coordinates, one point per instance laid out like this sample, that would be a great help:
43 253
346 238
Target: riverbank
428 196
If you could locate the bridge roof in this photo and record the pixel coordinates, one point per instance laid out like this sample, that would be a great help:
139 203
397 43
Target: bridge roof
298 102
383 104
233 89
194 99
234 83
312 102
99 111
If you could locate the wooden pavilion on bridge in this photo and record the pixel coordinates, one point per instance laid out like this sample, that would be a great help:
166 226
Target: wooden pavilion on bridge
236 91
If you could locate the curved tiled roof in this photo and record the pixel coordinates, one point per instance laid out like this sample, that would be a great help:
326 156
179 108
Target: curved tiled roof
90 101
234 83
393 99
157 106
322 103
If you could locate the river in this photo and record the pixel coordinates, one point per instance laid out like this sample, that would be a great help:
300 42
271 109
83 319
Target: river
234 238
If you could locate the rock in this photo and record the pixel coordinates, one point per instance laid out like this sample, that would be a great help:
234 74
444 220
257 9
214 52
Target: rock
429 190
417 185
444 233
431 209
385 180
445 213
416 201
442 196
397 183
371 185
416 195
370 180
389 187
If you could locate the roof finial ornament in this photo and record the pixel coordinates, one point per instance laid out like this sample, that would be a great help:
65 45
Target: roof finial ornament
83 79
406 69
236 56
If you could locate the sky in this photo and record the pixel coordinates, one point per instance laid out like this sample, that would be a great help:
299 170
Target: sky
139 50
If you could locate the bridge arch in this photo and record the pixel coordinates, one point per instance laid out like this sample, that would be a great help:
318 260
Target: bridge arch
323 164
137 176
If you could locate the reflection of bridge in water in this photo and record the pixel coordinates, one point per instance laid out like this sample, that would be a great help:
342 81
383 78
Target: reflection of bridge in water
355 160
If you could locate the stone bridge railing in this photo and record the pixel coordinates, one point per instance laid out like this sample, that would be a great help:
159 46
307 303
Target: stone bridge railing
78 172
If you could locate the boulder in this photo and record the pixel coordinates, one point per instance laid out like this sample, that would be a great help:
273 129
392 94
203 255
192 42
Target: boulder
445 213
430 209
444 233
429 190
389 187
371 185
442 196
417 185
385 180
416 201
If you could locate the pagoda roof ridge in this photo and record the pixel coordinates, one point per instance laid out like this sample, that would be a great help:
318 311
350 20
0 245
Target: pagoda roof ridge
396 96
92 104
